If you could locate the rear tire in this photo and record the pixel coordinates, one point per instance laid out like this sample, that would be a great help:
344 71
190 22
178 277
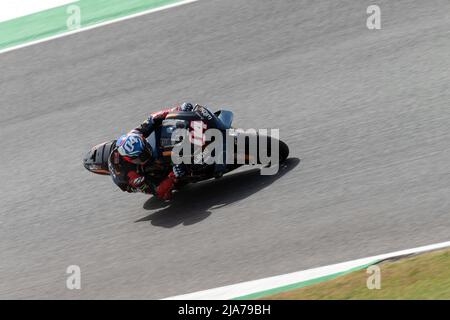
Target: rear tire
284 151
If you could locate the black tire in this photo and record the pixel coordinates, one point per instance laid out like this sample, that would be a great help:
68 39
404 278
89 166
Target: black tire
284 151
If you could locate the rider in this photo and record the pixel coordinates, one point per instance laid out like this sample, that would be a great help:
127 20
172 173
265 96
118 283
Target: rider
132 152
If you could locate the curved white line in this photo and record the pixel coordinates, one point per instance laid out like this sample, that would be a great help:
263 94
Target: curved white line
250 287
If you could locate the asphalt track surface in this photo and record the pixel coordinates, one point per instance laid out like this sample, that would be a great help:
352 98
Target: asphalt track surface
366 112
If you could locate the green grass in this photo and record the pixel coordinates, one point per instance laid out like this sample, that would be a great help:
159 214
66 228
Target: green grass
53 21
425 276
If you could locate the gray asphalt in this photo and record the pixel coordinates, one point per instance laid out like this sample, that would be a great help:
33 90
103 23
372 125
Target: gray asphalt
365 113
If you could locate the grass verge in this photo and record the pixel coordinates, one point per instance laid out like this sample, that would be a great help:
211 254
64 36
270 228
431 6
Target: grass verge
424 276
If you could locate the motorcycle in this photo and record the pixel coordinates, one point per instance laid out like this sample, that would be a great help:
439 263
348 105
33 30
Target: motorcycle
96 160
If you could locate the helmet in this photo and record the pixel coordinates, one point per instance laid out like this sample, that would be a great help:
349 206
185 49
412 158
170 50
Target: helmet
134 148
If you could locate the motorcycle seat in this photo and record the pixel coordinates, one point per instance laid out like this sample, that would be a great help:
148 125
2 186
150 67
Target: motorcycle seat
225 117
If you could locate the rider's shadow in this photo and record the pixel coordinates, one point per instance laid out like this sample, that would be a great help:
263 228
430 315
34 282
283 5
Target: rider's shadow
194 203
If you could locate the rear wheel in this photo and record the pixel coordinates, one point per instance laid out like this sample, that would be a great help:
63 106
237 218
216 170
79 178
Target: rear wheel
284 151
251 153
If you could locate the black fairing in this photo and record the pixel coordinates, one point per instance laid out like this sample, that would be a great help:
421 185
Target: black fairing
96 160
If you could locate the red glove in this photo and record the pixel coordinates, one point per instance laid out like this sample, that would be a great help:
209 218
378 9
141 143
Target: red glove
164 190
135 180
137 183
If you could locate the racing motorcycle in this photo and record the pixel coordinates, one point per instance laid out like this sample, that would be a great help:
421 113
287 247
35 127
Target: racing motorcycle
96 160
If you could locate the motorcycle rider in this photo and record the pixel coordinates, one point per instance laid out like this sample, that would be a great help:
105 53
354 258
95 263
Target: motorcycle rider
132 152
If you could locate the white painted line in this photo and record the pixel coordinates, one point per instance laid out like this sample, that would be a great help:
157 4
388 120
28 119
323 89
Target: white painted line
173 5
250 287
11 9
